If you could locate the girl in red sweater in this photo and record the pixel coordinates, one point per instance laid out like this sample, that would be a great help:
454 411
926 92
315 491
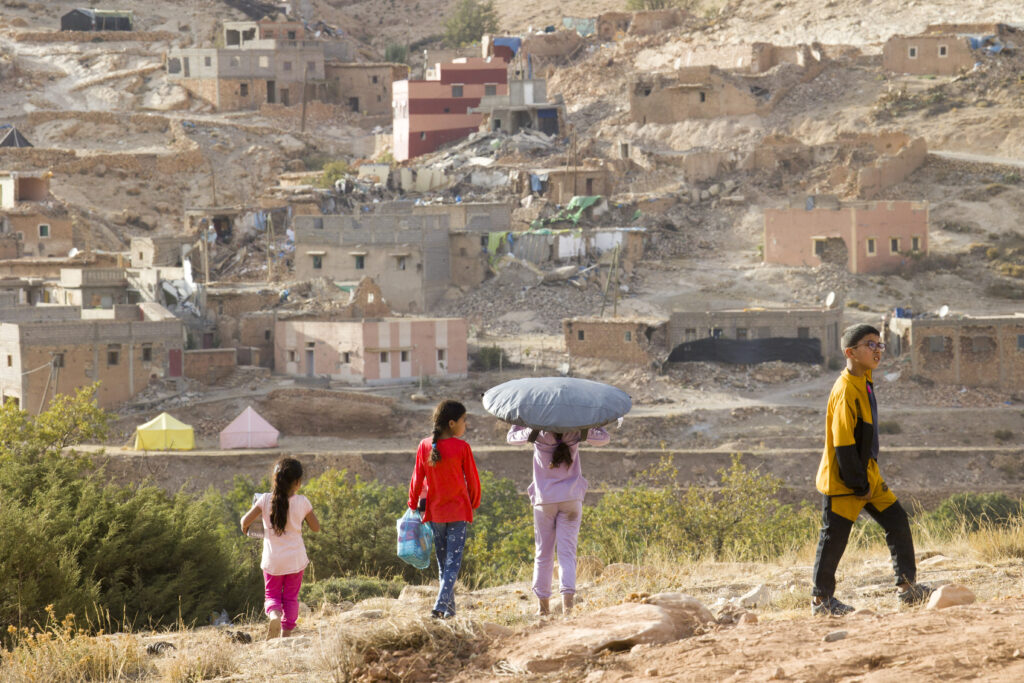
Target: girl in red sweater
444 462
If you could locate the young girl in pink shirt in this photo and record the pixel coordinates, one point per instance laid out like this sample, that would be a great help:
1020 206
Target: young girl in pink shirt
284 554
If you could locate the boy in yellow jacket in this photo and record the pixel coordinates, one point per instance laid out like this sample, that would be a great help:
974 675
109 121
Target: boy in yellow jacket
850 480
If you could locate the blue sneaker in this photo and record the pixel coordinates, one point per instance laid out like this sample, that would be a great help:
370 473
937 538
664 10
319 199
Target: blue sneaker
830 607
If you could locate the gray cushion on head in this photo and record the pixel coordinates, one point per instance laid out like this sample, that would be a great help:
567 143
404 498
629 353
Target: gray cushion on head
556 404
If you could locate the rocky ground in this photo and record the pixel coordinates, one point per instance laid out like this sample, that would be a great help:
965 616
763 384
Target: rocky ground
706 622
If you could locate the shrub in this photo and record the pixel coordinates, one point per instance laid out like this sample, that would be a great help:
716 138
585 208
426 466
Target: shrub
358 521
349 588
741 519
500 542
491 358
332 172
469 21
1003 435
889 427
72 540
397 54
973 510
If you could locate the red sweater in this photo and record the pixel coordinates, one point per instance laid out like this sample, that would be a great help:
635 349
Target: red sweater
453 485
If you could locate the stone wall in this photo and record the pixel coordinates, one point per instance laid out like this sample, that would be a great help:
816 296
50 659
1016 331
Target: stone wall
210 366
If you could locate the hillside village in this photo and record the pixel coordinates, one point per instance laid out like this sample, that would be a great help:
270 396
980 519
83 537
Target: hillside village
251 204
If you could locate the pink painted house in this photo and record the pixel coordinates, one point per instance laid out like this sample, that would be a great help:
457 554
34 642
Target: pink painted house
382 351
871 237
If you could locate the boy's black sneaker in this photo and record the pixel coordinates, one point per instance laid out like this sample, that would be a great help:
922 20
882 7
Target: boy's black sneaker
830 607
916 594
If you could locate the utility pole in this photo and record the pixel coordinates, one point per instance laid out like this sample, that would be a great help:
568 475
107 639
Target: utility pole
608 280
270 247
305 76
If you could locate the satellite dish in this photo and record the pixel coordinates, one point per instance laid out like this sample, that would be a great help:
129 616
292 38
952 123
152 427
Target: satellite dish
830 299
73 253
943 311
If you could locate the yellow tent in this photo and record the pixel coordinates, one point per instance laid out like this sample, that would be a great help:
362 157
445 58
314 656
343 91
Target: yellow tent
164 433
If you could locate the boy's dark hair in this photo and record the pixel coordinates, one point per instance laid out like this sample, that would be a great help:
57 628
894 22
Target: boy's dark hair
287 471
854 333
562 454
445 412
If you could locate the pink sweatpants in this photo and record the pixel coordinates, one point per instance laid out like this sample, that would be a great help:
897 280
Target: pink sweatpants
282 595
555 525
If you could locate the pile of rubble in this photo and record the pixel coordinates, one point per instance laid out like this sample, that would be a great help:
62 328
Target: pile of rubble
521 287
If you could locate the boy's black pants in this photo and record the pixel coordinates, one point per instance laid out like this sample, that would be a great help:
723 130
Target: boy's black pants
835 532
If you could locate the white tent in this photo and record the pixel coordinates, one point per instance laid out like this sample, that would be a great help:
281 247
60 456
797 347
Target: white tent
249 430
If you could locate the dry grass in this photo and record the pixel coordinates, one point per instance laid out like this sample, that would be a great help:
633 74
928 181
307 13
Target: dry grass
998 543
201 660
60 651
435 643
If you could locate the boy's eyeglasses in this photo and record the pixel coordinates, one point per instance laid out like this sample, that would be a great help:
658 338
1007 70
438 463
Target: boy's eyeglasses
875 346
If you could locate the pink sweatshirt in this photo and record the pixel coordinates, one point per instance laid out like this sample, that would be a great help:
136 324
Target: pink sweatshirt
558 484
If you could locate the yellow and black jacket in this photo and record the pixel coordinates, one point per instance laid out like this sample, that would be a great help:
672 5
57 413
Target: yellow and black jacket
849 463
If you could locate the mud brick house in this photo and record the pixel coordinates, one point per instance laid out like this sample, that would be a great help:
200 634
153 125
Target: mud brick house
629 340
695 92
51 350
823 324
363 87
435 111
414 252
384 351
29 214
868 237
562 183
97 20
984 351
943 49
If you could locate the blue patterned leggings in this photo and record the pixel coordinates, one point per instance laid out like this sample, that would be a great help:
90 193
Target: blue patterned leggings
449 541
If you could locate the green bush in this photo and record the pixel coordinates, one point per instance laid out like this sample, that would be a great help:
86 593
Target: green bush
332 172
469 21
491 358
358 527
1003 435
889 427
741 519
972 510
73 540
500 542
396 54
339 589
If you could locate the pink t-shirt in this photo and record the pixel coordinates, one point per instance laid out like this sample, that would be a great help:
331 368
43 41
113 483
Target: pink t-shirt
284 554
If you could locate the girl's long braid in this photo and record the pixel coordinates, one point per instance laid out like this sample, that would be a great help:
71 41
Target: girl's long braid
287 471
447 411
435 454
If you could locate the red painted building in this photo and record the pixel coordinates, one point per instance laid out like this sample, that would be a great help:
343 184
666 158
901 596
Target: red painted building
433 112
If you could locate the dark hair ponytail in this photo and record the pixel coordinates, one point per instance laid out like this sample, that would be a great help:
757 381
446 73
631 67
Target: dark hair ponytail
287 471
445 412
562 454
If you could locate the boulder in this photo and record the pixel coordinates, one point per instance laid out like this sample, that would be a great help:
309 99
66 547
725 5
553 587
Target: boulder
950 595
620 627
688 614
758 597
